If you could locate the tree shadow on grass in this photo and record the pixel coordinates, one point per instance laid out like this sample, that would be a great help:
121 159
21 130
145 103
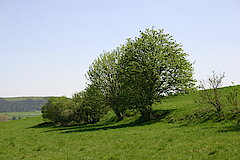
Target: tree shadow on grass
55 127
44 125
159 115
233 128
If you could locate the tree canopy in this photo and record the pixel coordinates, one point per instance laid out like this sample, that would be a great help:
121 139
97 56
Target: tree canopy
130 77
142 70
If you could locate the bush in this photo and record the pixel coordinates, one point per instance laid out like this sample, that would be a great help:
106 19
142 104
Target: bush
210 94
233 99
13 118
89 105
58 110
84 107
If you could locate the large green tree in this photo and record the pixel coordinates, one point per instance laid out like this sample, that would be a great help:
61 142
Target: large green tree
103 75
134 75
150 66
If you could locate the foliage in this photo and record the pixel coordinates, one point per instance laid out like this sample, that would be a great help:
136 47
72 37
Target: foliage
152 65
102 74
58 110
211 93
84 107
233 99
22 104
134 75
89 105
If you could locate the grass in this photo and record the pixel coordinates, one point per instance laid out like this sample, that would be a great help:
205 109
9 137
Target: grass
26 139
21 115
131 138
23 98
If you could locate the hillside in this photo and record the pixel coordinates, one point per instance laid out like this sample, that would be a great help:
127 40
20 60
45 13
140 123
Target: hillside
22 104
177 134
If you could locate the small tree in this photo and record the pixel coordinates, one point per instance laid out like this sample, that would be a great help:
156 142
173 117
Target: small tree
211 93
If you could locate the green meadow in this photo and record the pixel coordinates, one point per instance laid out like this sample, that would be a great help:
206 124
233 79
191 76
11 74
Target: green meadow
182 131
21 115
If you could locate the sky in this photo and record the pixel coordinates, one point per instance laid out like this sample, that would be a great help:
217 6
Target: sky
46 46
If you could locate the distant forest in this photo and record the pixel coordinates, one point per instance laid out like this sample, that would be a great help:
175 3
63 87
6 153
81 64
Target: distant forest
22 104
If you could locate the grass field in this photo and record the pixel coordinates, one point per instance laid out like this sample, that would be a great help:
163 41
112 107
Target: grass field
23 98
130 138
21 115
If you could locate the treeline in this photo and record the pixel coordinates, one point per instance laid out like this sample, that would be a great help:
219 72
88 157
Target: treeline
23 104
130 78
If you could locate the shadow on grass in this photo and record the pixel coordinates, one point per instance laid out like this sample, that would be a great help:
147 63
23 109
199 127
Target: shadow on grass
44 125
233 128
160 114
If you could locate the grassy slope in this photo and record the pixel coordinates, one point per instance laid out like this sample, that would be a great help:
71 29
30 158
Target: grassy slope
127 139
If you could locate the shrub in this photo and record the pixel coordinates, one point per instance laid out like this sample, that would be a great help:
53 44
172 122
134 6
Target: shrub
89 105
210 94
58 110
84 107
233 99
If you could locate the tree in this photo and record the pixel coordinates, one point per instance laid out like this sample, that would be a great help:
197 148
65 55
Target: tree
102 74
152 65
140 71
21 104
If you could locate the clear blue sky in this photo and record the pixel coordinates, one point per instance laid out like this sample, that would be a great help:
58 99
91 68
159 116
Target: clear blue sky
46 46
